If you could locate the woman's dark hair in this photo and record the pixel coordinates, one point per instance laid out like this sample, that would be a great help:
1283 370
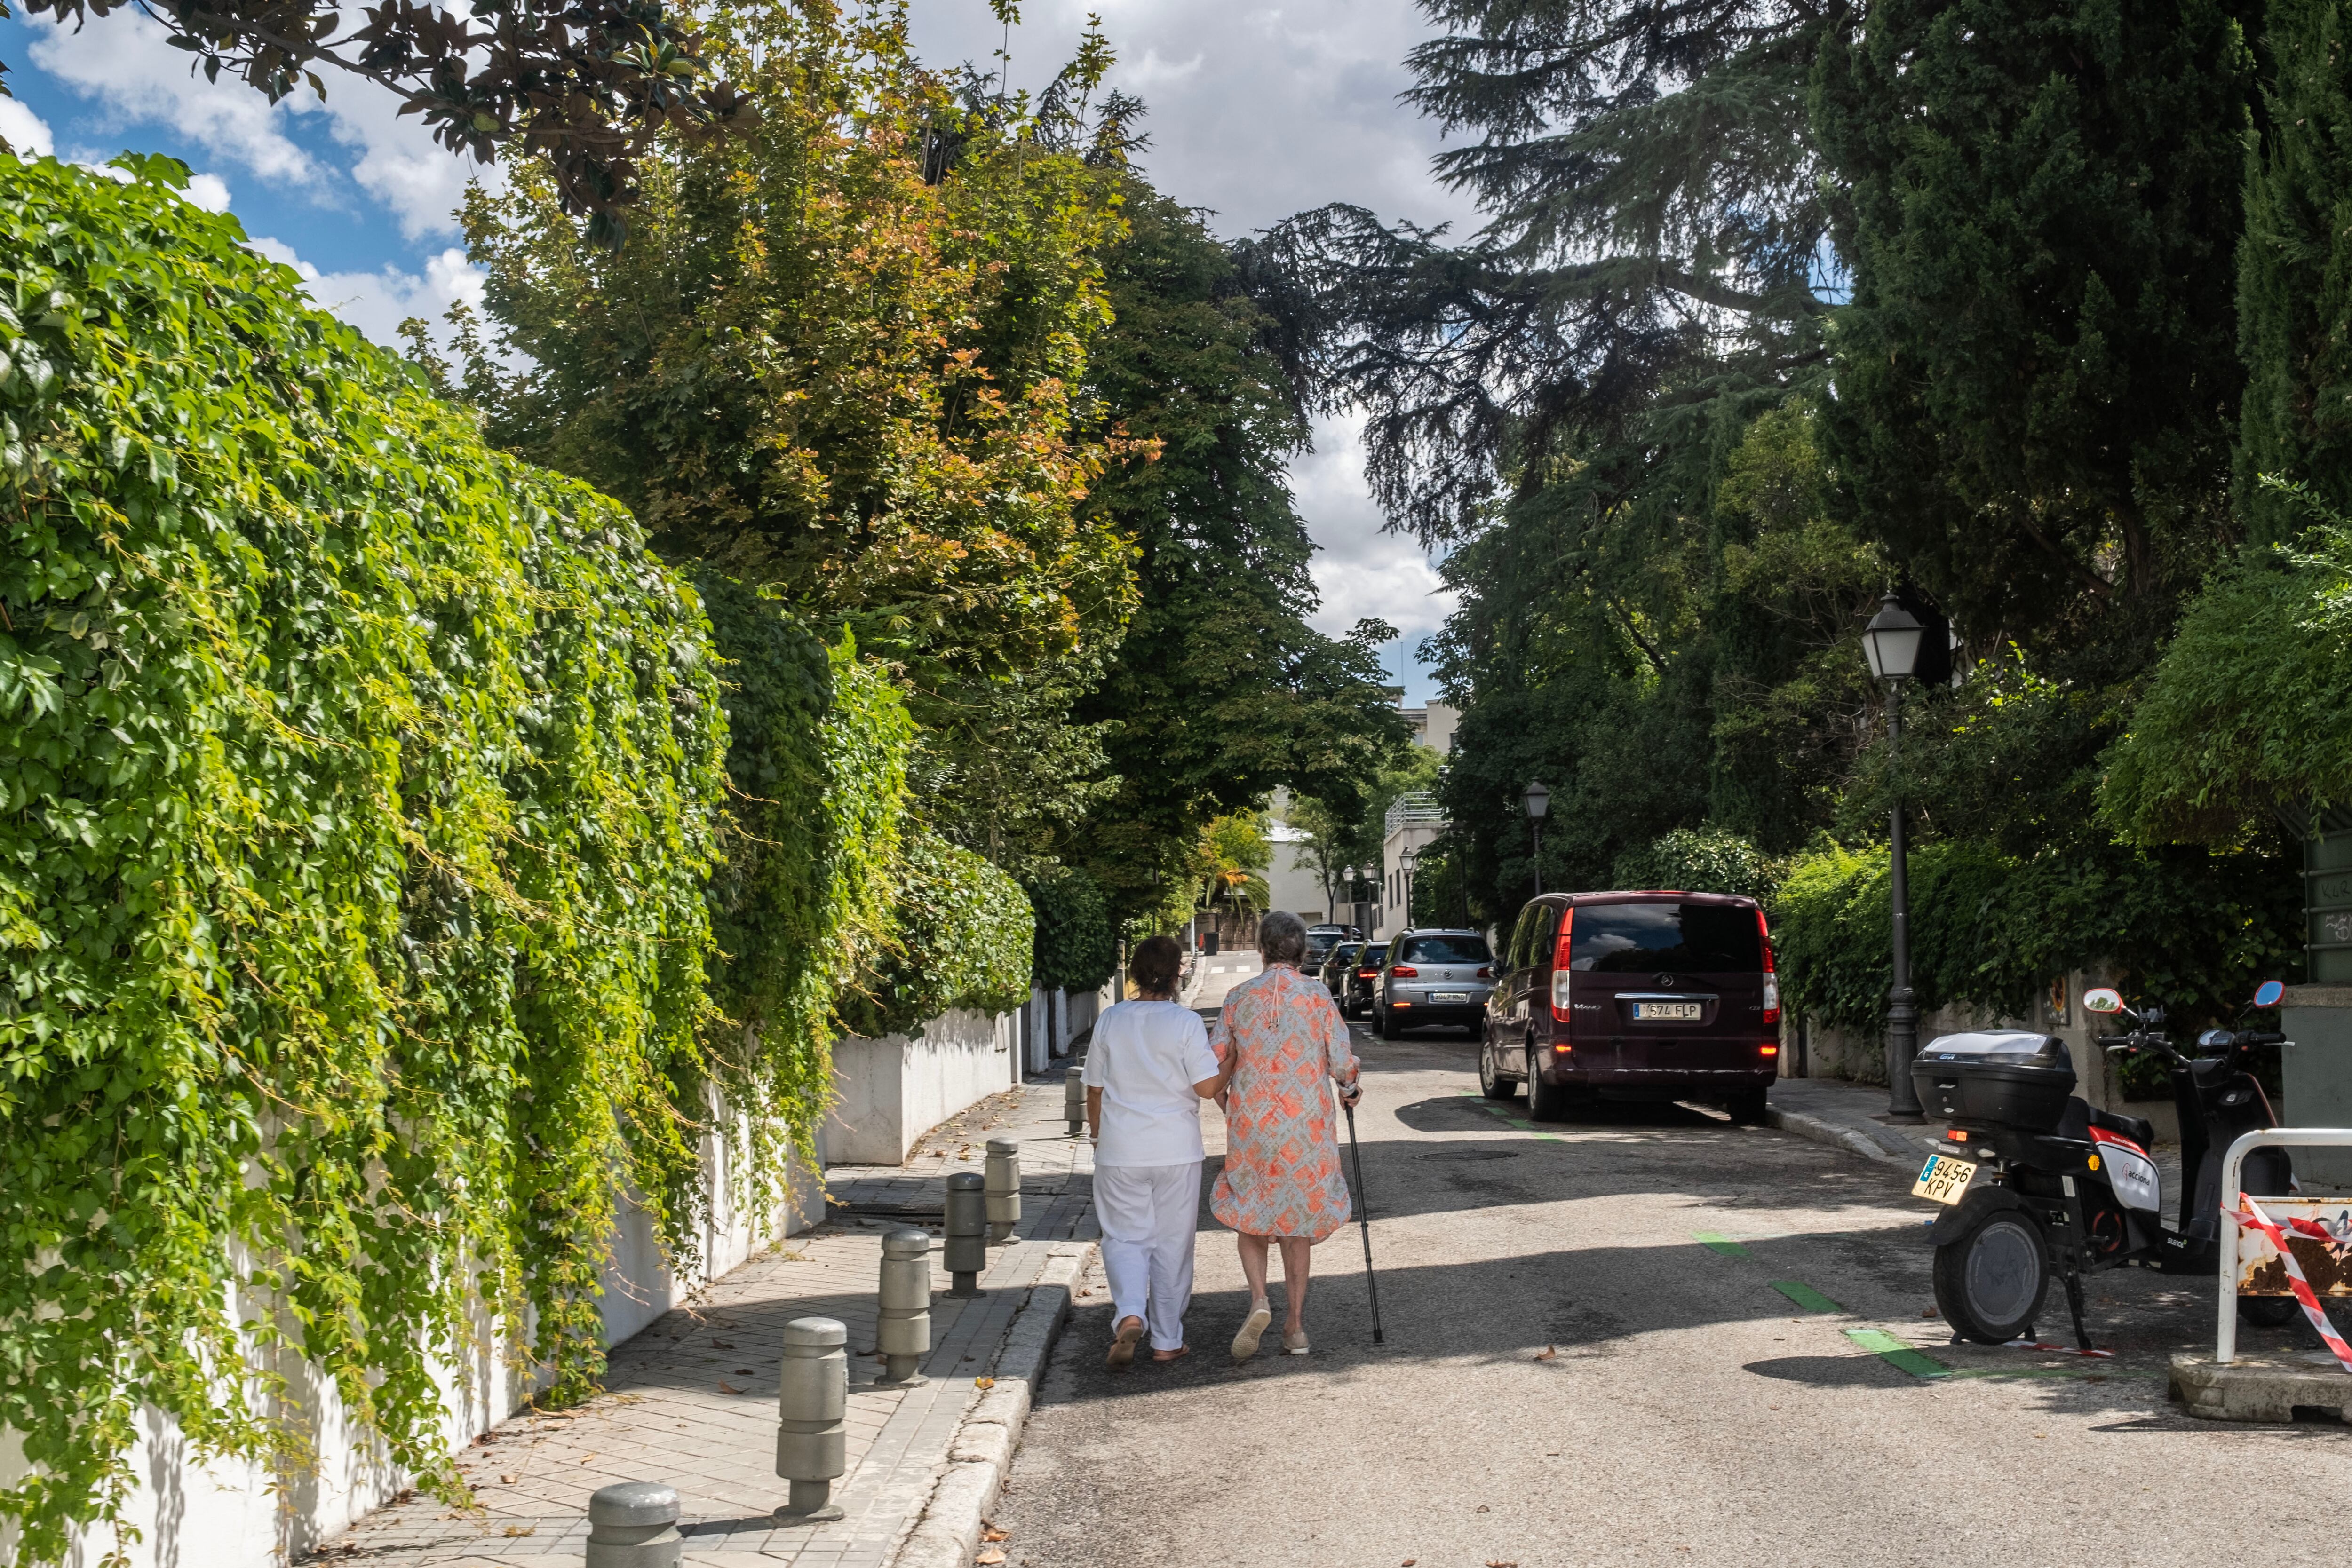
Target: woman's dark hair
1155 964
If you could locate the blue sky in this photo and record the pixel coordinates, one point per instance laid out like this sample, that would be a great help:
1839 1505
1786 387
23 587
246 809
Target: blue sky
1256 111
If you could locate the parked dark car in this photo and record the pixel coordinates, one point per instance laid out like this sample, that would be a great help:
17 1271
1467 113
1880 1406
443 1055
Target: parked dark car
1357 1000
1321 939
1434 978
1635 996
1334 973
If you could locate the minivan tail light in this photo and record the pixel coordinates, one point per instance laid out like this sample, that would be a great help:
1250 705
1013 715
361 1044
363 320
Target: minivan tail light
1404 972
1559 969
1771 972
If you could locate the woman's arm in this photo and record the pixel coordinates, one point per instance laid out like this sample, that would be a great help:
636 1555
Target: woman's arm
1094 1113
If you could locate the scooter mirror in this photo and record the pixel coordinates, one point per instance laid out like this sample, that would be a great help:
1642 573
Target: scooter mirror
2103 999
2268 993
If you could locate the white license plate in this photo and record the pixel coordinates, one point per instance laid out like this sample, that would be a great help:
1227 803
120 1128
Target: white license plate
1672 1012
1944 1179
1442 997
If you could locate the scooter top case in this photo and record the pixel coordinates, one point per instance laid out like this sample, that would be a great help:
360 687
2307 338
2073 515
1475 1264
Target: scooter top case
1997 1078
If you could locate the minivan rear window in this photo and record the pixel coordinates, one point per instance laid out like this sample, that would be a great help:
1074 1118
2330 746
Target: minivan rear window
1615 938
1444 950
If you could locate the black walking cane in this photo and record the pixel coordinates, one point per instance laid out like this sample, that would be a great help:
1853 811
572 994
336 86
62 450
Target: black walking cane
1365 1218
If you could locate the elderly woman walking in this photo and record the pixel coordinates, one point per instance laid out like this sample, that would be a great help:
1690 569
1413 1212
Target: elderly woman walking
1147 1073
1279 1038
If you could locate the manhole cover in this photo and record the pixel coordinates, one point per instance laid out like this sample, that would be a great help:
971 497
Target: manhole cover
1472 1155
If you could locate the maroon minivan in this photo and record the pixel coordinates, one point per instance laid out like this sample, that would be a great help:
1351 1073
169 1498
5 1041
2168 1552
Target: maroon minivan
1634 996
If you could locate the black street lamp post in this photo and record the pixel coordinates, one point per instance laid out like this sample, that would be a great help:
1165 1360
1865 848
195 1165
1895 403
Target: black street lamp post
1410 858
1891 643
1538 800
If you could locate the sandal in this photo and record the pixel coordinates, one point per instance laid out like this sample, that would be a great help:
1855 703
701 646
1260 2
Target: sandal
1164 1356
1252 1330
1123 1349
1295 1343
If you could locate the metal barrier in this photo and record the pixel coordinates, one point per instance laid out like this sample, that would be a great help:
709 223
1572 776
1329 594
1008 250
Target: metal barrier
2225 1338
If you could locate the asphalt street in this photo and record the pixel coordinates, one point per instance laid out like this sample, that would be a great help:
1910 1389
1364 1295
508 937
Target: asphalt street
1645 1337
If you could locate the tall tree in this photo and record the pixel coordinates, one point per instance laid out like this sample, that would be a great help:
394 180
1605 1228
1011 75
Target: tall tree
1220 691
834 369
2037 374
585 86
2294 274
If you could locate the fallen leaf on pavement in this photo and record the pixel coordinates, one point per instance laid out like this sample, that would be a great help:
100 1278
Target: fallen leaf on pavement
508 1480
983 1383
722 1344
1410 1561
993 1555
993 1533
1548 1353
1499 1562
517 1530
727 1387
585 1457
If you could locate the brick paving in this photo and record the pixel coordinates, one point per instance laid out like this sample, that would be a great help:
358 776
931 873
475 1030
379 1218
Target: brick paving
692 1399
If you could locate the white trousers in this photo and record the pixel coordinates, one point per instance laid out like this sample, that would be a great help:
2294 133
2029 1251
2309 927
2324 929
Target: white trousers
1148 1215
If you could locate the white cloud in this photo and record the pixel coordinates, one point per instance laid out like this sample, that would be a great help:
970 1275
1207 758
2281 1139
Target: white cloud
124 64
23 130
1361 569
377 302
209 192
1257 109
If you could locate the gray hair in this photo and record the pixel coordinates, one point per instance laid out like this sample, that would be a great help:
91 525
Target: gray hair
1282 937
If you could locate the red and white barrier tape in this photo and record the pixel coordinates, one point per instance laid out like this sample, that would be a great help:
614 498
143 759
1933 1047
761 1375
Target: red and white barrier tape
2304 1293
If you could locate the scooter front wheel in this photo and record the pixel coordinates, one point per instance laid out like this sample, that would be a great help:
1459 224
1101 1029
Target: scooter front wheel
1989 1281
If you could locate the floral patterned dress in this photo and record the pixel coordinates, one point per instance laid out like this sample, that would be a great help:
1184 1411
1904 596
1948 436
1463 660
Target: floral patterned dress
1282 1174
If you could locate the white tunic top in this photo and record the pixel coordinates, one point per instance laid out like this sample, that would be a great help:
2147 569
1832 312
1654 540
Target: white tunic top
1145 1058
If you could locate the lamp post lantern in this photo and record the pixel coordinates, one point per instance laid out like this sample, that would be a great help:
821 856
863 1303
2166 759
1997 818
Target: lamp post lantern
1891 643
1538 800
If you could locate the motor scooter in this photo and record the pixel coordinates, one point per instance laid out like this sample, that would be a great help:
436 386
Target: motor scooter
2037 1181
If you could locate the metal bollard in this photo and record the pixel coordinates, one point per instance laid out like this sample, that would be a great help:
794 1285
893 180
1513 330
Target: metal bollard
904 1330
1003 1188
967 1228
1073 1101
633 1524
812 1444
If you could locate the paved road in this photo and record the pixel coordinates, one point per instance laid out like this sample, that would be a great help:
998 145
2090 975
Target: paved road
1573 1374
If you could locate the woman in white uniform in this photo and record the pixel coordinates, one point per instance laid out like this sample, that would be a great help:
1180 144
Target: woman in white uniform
1148 1071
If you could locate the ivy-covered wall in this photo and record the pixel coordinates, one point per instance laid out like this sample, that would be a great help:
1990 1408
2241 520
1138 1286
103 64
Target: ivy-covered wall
396 858
357 792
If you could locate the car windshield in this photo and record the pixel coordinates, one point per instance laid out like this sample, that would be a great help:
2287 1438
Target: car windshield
1346 952
1462 949
1618 938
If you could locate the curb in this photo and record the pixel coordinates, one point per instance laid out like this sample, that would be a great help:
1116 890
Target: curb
1816 1129
947 1532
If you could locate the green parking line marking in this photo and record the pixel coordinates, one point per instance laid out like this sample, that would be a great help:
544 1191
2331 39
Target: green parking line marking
1895 1354
1805 1296
1723 1244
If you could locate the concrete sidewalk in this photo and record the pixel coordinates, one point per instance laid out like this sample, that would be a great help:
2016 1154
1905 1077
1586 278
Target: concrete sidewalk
692 1400
1850 1117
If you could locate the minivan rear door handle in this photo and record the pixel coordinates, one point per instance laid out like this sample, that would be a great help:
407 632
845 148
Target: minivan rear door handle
1668 997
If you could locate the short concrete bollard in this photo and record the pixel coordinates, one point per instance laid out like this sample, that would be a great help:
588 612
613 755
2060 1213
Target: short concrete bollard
904 1330
1003 1188
1073 1100
812 1444
967 1233
633 1524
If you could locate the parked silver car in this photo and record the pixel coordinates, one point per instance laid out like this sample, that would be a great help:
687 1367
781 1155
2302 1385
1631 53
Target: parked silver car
1436 977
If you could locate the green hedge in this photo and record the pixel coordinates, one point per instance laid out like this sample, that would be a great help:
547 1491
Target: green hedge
1701 860
2247 712
357 792
960 937
2194 930
1075 949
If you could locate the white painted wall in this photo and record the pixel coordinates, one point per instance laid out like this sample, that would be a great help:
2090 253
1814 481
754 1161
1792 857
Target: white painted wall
887 1092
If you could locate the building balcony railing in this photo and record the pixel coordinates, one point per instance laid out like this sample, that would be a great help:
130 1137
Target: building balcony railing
1417 809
